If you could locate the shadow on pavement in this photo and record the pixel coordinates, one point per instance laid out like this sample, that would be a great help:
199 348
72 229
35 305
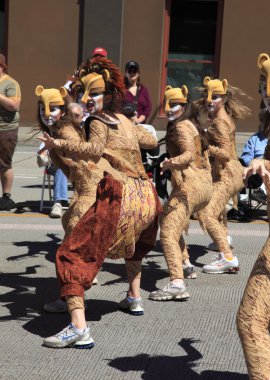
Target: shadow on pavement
173 368
29 293
195 251
37 248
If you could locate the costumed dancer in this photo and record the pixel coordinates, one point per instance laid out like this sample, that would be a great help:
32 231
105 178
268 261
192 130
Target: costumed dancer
223 111
191 189
56 121
124 214
253 318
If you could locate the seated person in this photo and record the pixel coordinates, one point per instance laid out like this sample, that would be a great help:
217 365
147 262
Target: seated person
254 148
60 185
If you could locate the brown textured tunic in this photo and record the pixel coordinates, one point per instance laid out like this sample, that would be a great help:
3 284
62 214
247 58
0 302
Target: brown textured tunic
128 232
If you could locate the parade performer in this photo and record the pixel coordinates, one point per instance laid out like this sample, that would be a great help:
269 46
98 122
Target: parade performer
223 111
191 188
125 213
54 119
253 318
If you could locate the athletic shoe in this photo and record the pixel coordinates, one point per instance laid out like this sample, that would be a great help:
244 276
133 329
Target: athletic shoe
58 306
70 337
6 204
56 211
189 272
133 305
171 292
259 196
213 247
222 265
64 204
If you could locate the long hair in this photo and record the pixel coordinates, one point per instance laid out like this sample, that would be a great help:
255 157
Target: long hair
264 127
234 108
114 85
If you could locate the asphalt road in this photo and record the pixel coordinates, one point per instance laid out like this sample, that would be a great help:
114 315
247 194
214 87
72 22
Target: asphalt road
189 340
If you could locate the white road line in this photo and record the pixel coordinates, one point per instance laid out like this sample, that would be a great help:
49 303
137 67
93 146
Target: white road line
36 227
21 177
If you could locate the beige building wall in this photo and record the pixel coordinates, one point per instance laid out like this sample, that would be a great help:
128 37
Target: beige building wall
42 47
245 35
142 39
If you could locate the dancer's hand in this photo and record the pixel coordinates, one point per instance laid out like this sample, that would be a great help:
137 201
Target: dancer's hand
168 163
49 142
257 166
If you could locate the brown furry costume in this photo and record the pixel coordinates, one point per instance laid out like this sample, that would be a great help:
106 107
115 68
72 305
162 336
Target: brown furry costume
253 318
128 231
191 185
226 171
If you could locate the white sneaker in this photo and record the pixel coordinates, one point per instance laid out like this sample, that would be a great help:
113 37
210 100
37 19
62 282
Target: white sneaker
170 292
58 306
222 265
56 211
213 247
70 336
134 305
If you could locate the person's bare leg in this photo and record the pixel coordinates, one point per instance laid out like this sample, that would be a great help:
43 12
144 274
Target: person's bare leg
134 278
7 180
78 318
75 307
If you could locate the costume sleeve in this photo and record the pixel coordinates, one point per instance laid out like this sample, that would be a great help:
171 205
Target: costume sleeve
91 150
145 139
220 145
248 151
184 139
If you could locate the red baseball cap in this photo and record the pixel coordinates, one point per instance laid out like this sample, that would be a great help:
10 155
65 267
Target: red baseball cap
99 51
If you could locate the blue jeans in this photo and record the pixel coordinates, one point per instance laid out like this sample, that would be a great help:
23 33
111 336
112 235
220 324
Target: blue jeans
60 186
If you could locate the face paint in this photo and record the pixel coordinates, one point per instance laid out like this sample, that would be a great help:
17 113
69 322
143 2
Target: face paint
175 112
55 114
95 103
265 98
215 105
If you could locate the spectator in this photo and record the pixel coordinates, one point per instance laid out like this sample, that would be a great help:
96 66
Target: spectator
99 52
137 93
10 99
137 96
254 148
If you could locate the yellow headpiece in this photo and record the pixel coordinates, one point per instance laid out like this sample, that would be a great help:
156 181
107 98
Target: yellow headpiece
264 65
51 96
93 82
175 94
215 87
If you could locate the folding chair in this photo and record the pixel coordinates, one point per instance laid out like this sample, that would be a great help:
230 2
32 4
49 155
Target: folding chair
46 182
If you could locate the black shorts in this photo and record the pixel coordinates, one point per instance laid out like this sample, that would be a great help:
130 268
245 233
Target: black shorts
8 141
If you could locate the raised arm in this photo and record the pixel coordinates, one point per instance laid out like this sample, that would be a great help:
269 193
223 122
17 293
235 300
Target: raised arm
91 150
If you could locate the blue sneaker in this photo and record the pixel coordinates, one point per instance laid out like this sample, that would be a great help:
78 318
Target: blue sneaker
70 337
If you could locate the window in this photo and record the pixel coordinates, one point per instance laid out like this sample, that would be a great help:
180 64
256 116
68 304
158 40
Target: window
191 42
2 26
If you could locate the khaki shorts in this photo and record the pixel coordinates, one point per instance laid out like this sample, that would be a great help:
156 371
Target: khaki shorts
8 141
